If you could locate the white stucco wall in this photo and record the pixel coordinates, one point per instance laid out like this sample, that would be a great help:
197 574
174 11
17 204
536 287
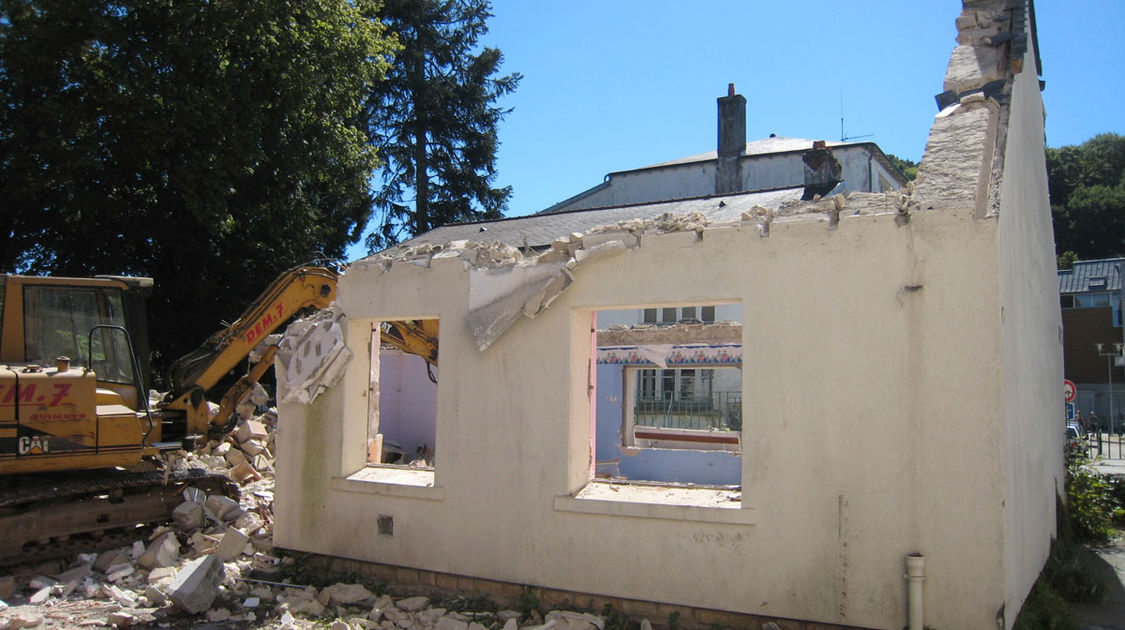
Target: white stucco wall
1032 346
856 450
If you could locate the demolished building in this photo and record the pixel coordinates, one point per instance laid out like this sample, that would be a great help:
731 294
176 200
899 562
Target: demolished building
899 364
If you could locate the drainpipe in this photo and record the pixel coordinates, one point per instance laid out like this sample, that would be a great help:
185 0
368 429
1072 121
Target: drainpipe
915 577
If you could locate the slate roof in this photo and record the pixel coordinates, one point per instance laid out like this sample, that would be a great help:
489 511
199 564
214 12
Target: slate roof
1083 273
539 230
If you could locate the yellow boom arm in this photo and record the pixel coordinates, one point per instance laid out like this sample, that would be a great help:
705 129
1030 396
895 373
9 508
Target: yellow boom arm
196 373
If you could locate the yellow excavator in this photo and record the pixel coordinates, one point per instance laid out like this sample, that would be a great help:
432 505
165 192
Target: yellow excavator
75 415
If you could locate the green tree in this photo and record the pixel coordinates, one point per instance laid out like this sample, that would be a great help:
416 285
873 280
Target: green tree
908 169
209 144
434 120
1087 187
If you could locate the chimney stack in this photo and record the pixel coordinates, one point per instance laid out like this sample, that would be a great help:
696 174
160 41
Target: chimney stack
732 141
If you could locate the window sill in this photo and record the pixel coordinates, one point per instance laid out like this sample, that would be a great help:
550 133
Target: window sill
659 501
396 481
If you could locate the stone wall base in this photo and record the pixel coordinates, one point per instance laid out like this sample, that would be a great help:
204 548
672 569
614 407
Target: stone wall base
404 581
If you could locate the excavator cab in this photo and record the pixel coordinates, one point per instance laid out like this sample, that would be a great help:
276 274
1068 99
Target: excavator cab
98 323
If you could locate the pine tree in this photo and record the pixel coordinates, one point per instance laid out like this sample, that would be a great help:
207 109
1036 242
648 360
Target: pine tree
434 120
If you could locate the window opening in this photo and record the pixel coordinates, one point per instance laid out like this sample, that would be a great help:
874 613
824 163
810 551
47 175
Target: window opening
669 397
402 412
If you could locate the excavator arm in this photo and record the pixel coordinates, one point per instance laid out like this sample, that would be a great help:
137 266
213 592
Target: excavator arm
195 374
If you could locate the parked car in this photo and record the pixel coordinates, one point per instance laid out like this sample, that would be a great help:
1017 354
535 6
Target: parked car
1076 441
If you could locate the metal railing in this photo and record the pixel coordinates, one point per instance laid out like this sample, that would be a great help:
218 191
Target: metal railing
1106 445
717 411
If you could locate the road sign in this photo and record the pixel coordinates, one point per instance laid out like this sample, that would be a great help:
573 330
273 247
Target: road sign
1070 412
1070 390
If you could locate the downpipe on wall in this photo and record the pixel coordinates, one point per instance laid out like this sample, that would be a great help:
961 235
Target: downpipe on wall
915 578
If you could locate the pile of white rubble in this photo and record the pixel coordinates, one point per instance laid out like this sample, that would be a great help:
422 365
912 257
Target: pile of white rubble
215 562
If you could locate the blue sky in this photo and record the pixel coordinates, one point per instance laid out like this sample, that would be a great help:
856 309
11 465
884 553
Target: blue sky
617 84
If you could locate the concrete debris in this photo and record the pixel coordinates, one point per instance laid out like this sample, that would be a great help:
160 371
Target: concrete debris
215 564
412 604
196 585
347 595
570 620
188 516
122 619
314 355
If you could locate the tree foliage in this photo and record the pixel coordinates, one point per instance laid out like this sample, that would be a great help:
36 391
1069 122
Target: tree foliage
1087 186
908 169
434 120
207 143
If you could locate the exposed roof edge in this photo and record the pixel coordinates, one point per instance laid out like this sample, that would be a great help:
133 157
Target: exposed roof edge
582 195
701 160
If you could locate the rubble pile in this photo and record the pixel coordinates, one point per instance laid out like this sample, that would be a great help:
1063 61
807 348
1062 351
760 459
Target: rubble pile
215 564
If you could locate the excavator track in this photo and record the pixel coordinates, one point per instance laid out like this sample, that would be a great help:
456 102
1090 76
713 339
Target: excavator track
48 516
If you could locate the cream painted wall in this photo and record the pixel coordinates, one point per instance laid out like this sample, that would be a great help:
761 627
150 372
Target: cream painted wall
1032 337
876 427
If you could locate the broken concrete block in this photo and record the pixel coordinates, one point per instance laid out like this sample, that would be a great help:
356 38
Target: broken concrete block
411 604
235 457
197 584
571 620
253 447
220 505
91 588
195 495
427 617
155 596
244 472
309 608
160 574
511 624
449 623
647 625
40 596
249 522
119 596
262 464
187 516
120 571
24 619
162 552
347 595
218 614
504 615
121 619
41 581
251 430
109 558
398 618
232 544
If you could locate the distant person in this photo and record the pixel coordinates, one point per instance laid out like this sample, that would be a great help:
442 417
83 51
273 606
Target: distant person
1082 424
1094 422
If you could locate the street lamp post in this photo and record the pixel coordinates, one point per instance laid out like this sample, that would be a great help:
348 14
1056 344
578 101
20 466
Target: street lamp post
1110 355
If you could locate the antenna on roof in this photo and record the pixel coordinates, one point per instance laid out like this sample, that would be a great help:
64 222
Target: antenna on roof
843 136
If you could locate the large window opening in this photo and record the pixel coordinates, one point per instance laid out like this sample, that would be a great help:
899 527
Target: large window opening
402 401
668 389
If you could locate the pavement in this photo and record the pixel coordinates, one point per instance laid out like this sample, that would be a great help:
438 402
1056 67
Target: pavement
1107 561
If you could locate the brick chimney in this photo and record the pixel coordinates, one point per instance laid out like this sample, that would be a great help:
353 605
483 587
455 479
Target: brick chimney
732 141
